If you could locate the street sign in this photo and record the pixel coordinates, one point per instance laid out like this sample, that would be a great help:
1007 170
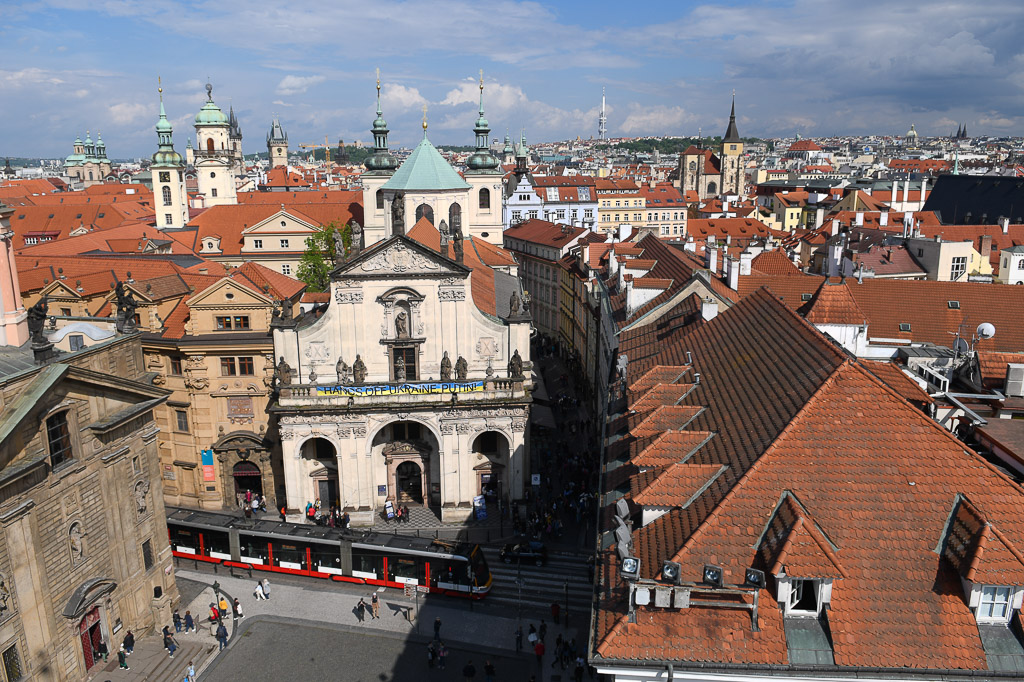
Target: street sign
535 479
422 588
410 589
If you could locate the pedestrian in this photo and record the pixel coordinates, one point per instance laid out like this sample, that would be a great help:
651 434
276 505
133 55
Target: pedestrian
177 621
538 650
437 628
222 636
469 671
375 605
236 608
283 516
345 520
532 638
543 630
101 650
405 513
360 609
442 655
214 613
222 605
430 654
266 588
122 658
129 643
555 610
258 592
489 671
169 642
519 638
578 673
189 623
190 673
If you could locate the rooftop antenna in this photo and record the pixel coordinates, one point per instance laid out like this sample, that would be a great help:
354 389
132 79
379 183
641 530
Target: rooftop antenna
602 120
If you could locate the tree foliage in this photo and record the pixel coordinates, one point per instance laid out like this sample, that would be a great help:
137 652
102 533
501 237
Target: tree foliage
320 258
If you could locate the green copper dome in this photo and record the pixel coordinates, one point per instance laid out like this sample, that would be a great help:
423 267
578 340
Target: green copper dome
165 156
381 160
425 169
482 161
210 114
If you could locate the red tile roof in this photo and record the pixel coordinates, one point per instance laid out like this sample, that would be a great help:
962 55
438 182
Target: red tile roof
774 262
834 304
536 231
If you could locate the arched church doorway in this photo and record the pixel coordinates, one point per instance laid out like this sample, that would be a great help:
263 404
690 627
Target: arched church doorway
248 478
90 630
425 211
324 476
492 463
409 483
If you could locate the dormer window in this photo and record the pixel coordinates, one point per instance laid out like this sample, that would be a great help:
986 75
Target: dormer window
803 598
994 606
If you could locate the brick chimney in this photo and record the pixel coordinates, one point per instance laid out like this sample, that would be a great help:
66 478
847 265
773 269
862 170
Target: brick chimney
985 248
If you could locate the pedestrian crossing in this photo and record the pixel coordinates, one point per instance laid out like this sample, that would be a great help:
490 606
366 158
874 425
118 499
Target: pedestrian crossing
540 585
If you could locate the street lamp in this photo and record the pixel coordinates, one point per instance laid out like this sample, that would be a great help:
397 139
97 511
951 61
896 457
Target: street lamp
216 598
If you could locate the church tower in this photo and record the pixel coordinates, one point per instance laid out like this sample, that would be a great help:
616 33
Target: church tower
168 168
277 145
380 166
235 136
484 177
733 176
213 156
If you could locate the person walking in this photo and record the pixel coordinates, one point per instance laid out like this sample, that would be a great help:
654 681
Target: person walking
360 609
543 629
375 605
189 623
177 621
442 655
122 659
538 651
282 512
469 671
519 639
223 606
236 608
437 628
101 650
169 642
129 643
266 588
489 671
222 636
190 673
258 592
431 653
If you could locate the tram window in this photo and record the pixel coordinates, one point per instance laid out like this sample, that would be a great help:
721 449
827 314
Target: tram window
289 556
255 548
217 543
328 556
365 562
479 564
411 569
184 538
448 571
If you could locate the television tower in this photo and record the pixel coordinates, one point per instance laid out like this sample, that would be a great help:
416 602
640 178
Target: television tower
602 120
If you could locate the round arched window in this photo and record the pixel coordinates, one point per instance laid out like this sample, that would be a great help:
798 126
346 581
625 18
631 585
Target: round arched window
212 174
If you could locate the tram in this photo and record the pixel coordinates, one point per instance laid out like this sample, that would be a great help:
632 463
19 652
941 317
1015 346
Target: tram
435 566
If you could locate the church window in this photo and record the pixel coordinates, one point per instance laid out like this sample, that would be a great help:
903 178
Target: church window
181 176
209 144
166 192
12 663
165 176
454 216
380 199
425 211
213 192
712 188
485 198
693 165
90 175
278 150
212 174
58 438
408 355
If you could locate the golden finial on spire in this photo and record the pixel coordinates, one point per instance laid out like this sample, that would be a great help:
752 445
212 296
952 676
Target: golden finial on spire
378 79
424 119
481 79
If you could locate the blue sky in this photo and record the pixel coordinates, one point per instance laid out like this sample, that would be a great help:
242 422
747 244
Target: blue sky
814 67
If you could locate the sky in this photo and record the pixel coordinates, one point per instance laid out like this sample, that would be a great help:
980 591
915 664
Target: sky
813 67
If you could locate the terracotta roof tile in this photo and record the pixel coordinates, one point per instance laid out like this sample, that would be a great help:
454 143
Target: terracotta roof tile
774 262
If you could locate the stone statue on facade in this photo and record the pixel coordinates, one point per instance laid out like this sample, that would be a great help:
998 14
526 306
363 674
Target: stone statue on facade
445 234
37 320
76 542
461 369
514 304
446 368
400 369
457 237
402 325
126 305
515 365
357 238
339 246
284 373
342 369
398 214
141 491
359 370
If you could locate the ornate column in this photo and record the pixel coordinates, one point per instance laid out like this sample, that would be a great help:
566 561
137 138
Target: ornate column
291 462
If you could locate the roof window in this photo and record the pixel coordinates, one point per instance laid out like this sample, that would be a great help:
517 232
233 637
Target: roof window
904 326
806 297
78 216
953 305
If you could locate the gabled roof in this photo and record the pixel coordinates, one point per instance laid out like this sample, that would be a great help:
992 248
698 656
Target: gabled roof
425 169
978 551
833 304
774 262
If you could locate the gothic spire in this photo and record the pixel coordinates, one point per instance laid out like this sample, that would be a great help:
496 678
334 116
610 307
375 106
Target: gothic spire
731 134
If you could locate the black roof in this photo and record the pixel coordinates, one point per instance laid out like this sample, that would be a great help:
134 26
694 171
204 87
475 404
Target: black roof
976 199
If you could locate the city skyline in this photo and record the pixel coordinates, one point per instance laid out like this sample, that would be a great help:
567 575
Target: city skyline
798 67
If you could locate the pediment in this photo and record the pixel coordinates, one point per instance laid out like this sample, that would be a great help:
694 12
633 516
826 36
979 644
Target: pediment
214 296
59 289
401 256
272 225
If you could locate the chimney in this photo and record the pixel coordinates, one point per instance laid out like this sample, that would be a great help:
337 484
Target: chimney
906 192
745 260
860 219
711 257
924 186
709 309
734 273
835 227
1004 224
690 245
883 219
725 206
985 247
892 202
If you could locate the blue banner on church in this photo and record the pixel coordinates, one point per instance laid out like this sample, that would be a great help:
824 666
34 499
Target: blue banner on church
427 388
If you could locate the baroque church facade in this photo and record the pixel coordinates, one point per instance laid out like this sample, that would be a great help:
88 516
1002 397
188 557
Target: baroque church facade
413 386
710 175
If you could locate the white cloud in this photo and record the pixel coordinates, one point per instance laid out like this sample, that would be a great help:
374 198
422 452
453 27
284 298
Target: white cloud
82 92
282 103
295 85
994 120
126 113
399 98
656 120
29 77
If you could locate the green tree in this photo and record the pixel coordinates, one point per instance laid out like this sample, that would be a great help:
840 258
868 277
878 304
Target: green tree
320 258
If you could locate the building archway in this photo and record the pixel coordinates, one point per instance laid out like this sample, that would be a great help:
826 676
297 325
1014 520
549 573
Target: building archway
712 189
324 475
491 449
410 451
248 478
409 483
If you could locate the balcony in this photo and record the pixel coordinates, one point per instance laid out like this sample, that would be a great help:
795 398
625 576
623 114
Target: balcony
373 395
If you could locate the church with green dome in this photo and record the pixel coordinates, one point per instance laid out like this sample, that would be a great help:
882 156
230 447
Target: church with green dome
88 164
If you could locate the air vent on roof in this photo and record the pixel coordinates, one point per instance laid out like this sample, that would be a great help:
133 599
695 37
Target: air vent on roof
51 215
100 215
21 217
806 297
904 326
953 305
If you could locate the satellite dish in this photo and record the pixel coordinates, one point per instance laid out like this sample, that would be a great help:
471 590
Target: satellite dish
986 330
961 345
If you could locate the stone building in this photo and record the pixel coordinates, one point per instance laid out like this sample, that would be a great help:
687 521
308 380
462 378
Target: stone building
414 385
83 538
88 163
710 175
214 157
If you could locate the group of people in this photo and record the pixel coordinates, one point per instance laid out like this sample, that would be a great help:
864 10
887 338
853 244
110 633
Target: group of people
334 517
251 503
402 514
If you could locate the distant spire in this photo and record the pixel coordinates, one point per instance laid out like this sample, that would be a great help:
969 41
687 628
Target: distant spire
602 120
731 134
381 159
482 159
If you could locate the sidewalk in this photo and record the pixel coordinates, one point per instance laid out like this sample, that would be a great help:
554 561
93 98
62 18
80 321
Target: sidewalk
317 602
